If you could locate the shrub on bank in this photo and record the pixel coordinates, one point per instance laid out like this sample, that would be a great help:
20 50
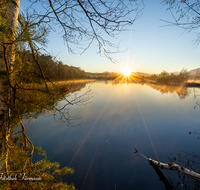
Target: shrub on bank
165 77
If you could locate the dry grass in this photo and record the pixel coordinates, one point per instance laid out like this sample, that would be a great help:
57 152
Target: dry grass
61 83
66 87
74 81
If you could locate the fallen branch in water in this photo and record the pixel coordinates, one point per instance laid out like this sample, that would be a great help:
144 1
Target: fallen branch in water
172 166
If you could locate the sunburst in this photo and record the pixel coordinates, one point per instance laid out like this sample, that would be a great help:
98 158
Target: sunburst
126 75
126 71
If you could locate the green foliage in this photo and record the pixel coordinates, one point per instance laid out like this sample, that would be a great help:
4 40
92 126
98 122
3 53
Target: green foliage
30 33
5 31
30 96
46 174
4 27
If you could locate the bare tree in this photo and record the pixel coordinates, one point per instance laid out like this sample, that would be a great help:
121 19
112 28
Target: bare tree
187 15
89 21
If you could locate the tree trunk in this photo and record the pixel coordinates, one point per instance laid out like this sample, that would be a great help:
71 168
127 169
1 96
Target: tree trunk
12 9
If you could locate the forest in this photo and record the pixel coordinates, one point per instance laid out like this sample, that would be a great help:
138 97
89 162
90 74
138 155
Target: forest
53 70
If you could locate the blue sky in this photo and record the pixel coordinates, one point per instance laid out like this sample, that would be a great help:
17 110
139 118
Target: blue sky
151 48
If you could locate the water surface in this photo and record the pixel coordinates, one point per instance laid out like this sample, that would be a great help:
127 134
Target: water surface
158 121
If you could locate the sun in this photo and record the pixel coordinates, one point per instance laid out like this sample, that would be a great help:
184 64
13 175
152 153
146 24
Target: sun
126 71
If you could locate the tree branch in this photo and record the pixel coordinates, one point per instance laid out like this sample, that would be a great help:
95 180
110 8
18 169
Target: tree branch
172 166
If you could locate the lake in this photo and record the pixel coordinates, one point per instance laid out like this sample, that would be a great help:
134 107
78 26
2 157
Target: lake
158 121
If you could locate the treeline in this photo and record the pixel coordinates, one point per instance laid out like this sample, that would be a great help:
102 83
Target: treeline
53 70
165 77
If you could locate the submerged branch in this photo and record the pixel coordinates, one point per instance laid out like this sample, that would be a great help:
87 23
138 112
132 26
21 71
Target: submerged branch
172 166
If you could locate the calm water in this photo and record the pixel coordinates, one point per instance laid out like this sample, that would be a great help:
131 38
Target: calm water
157 121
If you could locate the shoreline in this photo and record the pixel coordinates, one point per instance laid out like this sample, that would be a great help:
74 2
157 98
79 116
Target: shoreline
76 81
144 81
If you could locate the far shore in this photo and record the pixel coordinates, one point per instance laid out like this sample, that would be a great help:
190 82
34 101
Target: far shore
189 83
186 84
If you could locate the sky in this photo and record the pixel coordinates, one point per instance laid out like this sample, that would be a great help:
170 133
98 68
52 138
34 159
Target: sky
151 47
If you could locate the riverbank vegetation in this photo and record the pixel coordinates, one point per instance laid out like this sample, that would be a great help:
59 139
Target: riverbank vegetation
28 91
170 78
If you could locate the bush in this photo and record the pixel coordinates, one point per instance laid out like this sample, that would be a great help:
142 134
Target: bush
165 77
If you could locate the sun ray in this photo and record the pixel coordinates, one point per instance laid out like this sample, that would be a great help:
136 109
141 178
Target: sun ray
91 128
145 125
119 77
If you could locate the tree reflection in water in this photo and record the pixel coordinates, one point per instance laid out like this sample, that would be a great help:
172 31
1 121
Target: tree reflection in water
184 159
180 90
17 161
